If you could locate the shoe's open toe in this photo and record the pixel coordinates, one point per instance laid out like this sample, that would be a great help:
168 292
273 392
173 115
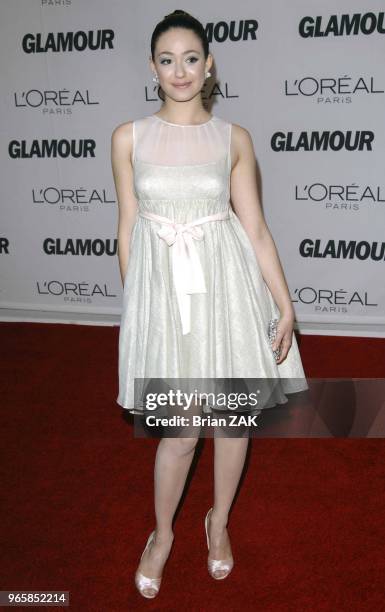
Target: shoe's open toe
148 587
148 592
219 568
220 574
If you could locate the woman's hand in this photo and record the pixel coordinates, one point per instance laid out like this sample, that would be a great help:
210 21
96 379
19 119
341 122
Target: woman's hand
284 336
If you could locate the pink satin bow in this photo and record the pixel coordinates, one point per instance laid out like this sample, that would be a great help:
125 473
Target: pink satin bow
187 270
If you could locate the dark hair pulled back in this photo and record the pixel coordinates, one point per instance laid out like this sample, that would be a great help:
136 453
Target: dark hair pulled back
180 19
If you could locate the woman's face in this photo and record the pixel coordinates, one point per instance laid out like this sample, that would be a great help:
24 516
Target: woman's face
180 63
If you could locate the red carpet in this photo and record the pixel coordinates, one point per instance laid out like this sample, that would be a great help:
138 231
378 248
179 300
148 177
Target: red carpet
307 528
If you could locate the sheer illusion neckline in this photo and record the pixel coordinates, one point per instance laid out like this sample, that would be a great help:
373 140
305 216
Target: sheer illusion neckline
184 124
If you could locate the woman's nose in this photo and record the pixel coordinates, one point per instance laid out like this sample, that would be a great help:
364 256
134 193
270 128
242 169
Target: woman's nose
179 70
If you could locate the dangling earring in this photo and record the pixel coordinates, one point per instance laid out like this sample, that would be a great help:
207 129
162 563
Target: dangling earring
155 78
208 74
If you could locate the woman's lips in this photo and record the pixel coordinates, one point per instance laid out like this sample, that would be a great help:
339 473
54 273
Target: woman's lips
182 86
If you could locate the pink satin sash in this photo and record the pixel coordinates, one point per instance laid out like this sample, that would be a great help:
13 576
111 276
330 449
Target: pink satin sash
187 270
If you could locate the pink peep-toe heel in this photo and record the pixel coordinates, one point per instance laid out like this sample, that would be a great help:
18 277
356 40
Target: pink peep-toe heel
217 565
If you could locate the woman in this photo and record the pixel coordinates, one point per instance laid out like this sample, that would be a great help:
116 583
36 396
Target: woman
204 313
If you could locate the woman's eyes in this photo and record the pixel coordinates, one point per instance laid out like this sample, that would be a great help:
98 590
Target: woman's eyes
195 59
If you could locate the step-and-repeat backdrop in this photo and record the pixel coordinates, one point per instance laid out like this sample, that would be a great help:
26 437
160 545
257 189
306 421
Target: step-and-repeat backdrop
306 80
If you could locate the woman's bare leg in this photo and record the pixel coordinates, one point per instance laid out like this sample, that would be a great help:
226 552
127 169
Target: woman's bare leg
172 464
229 459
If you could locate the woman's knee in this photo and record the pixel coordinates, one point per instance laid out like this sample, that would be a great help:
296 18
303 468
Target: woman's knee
182 446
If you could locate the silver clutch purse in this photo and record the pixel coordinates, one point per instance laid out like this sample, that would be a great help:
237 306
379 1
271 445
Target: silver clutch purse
272 332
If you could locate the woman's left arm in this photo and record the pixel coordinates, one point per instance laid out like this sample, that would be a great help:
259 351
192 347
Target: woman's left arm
247 206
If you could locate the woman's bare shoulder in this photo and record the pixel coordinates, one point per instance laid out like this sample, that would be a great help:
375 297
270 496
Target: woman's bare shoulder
239 133
123 131
122 141
241 142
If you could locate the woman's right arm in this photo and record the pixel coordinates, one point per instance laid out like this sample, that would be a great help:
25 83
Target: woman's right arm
121 147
